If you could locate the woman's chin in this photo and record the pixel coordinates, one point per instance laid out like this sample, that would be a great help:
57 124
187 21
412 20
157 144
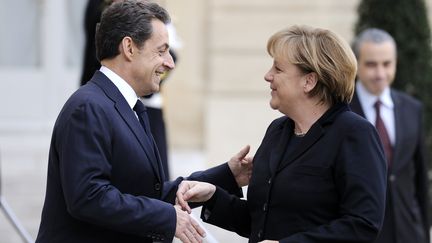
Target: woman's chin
273 105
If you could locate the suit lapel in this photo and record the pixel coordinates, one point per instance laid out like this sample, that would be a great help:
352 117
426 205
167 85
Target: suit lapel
314 134
398 106
128 116
399 132
162 175
356 106
310 139
283 134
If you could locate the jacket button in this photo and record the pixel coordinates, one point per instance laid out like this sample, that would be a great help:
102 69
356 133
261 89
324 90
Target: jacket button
269 181
260 234
392 178
265 207
157 186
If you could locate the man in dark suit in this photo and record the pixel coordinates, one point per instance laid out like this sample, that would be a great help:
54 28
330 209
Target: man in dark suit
153 101
398 119
105 180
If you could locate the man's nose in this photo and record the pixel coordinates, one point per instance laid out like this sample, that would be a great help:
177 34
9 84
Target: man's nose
380 71
169 61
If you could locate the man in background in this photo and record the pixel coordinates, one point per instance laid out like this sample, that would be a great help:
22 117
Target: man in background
398 120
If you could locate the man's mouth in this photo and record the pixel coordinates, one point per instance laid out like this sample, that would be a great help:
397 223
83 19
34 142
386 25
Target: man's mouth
159 73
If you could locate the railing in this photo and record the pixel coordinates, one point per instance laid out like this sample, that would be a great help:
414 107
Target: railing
12 218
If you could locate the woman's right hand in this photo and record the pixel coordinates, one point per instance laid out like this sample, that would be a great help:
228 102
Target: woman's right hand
193 191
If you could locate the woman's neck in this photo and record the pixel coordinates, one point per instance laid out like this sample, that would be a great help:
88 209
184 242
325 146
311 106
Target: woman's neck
306 116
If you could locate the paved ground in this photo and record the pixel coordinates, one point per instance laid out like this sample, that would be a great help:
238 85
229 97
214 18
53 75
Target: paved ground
23 187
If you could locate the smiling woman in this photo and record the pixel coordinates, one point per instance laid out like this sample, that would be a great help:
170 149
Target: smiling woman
319 173
318 78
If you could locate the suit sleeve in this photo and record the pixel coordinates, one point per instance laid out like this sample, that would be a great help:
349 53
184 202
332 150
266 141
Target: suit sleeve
360 178
228 212
84 148
220 176
421 183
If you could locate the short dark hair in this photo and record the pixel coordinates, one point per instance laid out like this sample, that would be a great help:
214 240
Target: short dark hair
126 18
373 35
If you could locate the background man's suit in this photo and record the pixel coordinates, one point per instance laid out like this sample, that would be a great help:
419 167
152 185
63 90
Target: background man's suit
406 210
92 16
103 185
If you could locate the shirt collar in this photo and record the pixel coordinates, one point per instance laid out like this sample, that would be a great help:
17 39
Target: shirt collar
125 89
369 99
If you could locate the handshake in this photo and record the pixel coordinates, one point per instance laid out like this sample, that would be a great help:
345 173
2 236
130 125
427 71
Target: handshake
187 229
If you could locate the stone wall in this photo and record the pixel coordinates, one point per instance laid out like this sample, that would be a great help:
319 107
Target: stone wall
217 98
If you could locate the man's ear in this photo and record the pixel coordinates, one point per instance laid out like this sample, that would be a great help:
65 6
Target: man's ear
127 48
311 81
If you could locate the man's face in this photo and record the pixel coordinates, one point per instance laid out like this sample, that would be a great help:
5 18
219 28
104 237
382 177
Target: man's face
376 65
152 60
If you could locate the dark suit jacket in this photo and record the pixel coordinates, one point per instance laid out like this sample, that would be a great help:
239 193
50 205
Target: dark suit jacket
104 184
92 17
330 188
406 215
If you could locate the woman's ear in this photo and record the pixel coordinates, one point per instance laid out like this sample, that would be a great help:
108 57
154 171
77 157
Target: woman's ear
311 81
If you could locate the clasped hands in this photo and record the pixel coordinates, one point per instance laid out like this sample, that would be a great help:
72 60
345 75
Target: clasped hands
188 230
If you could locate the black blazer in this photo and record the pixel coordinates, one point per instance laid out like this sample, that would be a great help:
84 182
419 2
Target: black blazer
329 188
104 184
407 200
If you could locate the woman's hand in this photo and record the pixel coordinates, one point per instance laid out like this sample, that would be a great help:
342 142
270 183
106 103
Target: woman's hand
193 191
241 166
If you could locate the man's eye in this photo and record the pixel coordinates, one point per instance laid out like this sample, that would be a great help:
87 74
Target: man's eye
370 64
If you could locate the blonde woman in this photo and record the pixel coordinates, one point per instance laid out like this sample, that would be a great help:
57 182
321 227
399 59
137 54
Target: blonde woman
320 172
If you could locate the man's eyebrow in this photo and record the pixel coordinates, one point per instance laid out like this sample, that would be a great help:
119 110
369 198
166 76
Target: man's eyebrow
164 46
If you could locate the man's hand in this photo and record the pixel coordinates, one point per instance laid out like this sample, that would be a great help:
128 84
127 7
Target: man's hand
187 229
193 191
241 166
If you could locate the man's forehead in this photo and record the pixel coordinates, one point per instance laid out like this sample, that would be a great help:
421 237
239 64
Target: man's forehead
387 45
379 50
159 36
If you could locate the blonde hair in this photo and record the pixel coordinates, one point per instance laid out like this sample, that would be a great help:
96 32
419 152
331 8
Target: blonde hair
322 52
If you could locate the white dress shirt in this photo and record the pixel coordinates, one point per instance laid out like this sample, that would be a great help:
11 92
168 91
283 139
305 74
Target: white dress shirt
125 89
367 102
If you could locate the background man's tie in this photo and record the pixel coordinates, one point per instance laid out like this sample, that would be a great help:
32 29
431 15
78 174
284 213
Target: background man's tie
382 131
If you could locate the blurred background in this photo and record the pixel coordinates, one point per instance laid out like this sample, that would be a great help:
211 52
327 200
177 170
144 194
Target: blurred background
215 101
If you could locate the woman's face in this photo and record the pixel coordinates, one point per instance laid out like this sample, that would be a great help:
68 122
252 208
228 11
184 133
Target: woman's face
287 84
